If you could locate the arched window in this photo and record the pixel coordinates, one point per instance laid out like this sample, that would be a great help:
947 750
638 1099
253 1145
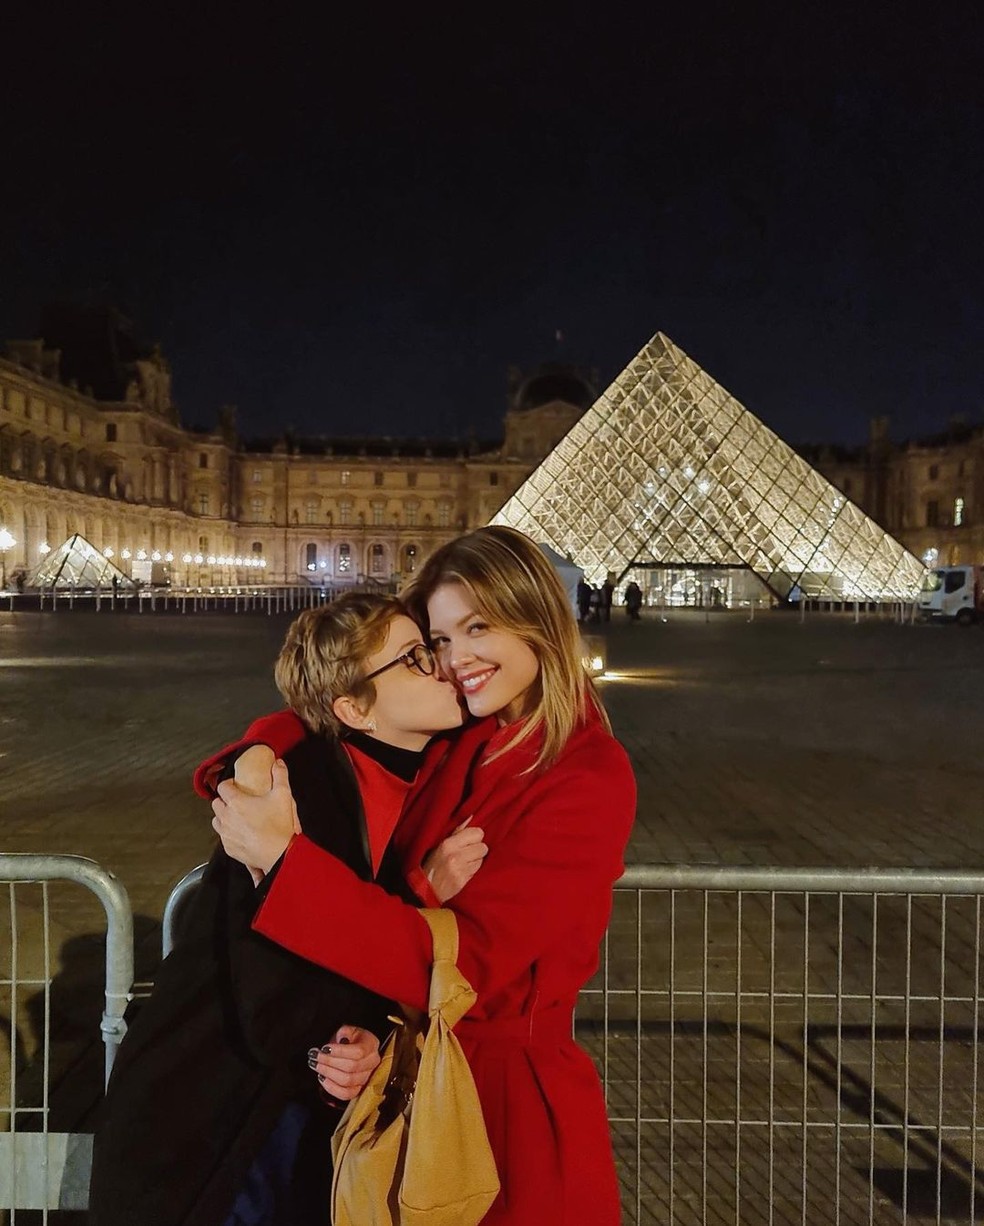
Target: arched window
377 560
257 547
409 559
344 559
311 556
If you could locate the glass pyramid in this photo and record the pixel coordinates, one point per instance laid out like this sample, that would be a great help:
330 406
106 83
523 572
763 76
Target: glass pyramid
77 564
667 468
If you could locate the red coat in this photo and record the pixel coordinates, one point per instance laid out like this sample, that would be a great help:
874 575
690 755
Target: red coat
531 922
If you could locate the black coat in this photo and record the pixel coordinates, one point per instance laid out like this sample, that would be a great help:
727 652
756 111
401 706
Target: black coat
219 1050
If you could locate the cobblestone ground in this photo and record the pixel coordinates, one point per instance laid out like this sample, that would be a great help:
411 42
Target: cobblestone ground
773 742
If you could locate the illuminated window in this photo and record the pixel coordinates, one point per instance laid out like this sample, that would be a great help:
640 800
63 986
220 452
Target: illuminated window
409 559
203 504
344 558
377 560
378 510
311 556
345 511
346 476
410 511
257 475
958 512
311 511
444 514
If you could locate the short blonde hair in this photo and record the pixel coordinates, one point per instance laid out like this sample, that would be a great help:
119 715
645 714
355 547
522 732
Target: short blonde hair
324 655
516 589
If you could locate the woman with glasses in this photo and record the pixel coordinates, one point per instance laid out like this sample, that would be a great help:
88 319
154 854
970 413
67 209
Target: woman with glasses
541 774
213 1116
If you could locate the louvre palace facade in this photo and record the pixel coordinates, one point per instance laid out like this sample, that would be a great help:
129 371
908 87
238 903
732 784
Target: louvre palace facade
91 442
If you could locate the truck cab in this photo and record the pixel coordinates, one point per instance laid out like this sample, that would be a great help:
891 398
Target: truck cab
953 594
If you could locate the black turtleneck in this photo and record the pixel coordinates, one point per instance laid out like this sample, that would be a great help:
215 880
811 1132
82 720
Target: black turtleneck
404 763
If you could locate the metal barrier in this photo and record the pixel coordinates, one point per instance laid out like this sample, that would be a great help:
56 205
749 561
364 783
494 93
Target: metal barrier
792 1045
175 903
41 1169
776 1045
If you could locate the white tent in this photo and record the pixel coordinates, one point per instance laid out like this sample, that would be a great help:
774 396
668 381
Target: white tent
570 575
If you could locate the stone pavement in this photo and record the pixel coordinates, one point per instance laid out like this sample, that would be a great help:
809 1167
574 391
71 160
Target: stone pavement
773 742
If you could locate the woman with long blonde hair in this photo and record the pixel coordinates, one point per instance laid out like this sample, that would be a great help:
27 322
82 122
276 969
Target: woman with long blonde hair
539 772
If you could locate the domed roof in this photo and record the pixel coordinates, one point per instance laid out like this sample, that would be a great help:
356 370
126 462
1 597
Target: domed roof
550 385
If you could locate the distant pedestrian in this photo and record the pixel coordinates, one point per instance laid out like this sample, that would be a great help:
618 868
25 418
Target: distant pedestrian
116 584
594 603
583 600
19 582
607 595
633 600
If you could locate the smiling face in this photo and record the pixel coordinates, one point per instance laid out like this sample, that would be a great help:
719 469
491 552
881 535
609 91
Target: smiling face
409 707
495 670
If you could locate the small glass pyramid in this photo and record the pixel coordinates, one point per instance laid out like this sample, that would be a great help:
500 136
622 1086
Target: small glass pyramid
667 468
77 564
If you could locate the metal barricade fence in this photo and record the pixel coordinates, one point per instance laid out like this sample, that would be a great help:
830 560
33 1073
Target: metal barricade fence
776 1045
41 1169
792 1045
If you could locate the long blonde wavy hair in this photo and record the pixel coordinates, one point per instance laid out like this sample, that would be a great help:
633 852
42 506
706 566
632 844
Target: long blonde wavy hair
516 589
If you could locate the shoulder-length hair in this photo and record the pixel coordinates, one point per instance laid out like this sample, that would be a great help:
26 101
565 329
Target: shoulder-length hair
516 589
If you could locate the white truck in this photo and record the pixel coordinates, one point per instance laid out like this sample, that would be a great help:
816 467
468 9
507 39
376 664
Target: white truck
953 594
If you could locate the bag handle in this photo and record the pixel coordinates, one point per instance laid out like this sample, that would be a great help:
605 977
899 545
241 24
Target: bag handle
444 933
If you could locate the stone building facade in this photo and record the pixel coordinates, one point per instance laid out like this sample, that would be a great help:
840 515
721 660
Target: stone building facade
93 444
928 493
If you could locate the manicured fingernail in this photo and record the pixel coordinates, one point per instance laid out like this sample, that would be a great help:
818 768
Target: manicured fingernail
321 1078
327 1049
312 1053
312 1062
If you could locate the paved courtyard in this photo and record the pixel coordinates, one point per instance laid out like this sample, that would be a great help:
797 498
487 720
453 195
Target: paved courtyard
773 742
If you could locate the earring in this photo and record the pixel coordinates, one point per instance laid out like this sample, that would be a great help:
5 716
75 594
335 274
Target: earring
369 726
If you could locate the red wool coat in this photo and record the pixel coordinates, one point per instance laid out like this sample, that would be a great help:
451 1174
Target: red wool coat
531 922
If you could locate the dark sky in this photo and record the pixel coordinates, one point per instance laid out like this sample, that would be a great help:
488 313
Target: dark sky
354 224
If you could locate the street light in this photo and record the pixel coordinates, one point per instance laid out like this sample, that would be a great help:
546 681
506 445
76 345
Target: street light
6 542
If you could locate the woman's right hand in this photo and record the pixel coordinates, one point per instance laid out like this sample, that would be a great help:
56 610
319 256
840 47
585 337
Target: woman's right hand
453 863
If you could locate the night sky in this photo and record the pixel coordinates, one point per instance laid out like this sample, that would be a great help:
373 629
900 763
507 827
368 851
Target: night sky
356 223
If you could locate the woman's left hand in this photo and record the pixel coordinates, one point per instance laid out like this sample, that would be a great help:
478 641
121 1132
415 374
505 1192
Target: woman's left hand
346 1062
256 830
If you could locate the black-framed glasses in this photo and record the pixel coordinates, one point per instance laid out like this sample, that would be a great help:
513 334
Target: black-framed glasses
419 659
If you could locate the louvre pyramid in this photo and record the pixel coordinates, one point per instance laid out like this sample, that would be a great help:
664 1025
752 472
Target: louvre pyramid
667 468
77 564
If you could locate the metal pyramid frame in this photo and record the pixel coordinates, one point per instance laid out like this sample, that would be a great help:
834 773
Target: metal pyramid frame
78 564
667 468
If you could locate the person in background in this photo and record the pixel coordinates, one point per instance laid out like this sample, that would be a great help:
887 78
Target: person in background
633 600
583 600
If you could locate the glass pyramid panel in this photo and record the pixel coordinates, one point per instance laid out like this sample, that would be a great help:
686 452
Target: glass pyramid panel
77 564
666 466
